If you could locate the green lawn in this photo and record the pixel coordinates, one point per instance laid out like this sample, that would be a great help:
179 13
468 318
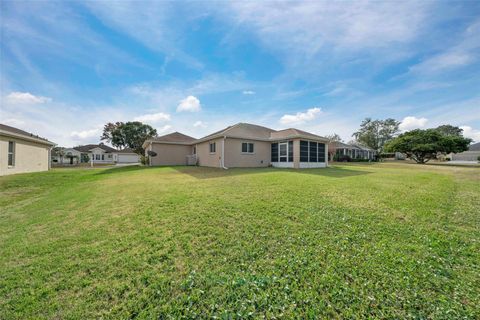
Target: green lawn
352 241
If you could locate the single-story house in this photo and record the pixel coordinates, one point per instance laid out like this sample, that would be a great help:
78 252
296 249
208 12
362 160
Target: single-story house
96 153
471 154
67 156
240 145
22 152
354 151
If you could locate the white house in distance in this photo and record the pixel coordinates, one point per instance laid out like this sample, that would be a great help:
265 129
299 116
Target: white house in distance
22 152
96 153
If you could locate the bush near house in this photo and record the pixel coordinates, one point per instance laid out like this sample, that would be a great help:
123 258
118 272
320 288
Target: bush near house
390 241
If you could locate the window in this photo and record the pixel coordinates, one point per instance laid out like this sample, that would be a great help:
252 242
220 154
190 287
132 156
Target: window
103 157
290 151
283 152
321 152
11 153
194 150
247 147
109 156
313 151
97 157
212 147
303 151
274 152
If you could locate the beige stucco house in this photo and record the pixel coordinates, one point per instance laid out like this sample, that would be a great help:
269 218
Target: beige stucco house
22 152
241 145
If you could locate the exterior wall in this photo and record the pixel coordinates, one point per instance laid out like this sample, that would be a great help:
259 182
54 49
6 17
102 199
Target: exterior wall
282 164
235 158
296 153
466 156
29 156
304 165
207 159
170 154
100 152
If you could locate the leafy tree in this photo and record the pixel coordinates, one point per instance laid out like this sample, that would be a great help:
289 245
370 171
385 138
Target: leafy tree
332 144
424 145
128 135
449 130
376 133
60 152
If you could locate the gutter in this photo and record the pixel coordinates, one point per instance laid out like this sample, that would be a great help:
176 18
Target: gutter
223 153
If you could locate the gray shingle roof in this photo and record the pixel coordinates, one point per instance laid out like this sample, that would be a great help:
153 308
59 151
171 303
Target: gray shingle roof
174 137
474 147
89 147
240 130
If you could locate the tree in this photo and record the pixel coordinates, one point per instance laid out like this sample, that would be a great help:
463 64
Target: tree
60 152
128 135
332 144
449 130
376 133
424 145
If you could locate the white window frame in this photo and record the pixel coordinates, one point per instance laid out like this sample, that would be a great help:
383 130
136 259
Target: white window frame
248 144
14 145
279 156
214 147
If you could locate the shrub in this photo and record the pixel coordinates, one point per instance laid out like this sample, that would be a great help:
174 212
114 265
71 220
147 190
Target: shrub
144 160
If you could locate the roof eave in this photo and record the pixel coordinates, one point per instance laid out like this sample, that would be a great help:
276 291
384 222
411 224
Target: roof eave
28 138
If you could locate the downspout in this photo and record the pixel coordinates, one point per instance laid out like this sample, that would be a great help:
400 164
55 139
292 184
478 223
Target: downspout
50 157
223 153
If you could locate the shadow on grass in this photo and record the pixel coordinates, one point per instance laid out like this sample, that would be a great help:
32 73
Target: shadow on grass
123 169
211 173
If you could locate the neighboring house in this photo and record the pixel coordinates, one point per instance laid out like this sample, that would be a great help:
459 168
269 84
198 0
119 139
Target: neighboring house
67 156
22 152
471 155
241 145
354 151
103 154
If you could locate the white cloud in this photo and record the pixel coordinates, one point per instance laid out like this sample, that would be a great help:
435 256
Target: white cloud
301 117
165 129
410 123
469 132
308 27
248 92
190 103
153 117
26 98
13 122
447 60
199 124
86 134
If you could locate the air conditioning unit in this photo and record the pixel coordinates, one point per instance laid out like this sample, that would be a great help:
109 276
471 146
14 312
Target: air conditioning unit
192 160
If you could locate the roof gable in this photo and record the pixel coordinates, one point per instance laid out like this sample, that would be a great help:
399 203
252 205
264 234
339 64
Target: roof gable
89 147
175 137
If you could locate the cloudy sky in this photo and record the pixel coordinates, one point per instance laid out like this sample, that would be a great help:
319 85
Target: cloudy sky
67 68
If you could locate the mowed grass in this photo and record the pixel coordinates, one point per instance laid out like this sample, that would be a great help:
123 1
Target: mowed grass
351 241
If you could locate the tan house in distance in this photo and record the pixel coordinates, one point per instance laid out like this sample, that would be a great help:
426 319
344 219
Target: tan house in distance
241 145
22 152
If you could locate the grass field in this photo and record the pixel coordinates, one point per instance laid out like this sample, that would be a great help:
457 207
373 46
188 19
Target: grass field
352 241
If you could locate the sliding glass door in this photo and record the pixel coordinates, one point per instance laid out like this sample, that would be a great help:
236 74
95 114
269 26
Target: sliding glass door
283 151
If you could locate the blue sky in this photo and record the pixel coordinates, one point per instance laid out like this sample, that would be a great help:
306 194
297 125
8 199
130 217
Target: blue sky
69 67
